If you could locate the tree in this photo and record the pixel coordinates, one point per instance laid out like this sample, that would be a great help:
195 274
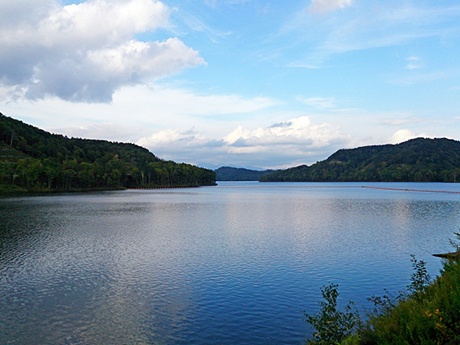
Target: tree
332 325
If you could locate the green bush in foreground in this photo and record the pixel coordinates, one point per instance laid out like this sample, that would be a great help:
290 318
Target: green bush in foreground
332 326
431 316
427 313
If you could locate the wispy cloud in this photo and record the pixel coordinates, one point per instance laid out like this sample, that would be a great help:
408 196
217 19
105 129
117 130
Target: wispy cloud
196 24
303 65
328 5
368 26
399 121
319 102
414 62
421 78
148 108
215 3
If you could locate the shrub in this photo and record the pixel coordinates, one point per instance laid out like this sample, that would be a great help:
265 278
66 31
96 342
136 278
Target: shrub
332 326
427 312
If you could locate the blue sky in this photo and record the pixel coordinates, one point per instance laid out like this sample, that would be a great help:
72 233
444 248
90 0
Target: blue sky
246 83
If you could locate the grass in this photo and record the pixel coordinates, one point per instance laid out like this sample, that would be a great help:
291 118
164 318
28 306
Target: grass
427 313
431 316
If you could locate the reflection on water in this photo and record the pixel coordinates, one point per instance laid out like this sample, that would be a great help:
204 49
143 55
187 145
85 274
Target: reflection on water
236 263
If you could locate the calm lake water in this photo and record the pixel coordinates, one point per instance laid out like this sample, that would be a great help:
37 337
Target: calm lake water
237 263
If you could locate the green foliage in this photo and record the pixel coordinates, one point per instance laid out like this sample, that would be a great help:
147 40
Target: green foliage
420 279
385 303
431 316
332 325
427 313
417 160
34 160
238 174
456 242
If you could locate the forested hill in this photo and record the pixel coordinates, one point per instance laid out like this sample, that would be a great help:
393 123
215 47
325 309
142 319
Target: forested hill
238 174
34 160
416 160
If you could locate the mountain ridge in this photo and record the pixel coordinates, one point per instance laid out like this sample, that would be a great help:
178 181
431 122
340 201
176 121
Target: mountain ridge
35 160
415 160
227 173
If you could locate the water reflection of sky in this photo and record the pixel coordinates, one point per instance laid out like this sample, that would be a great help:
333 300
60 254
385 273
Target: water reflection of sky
216 264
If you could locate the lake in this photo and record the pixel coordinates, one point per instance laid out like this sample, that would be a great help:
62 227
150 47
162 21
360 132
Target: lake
236 263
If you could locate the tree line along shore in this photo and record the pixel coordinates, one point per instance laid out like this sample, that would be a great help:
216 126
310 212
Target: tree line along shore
33 160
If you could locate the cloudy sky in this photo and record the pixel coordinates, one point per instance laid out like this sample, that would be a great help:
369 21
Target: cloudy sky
245 83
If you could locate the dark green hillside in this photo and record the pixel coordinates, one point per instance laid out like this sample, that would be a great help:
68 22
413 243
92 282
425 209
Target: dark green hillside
416 160
35 160
238 174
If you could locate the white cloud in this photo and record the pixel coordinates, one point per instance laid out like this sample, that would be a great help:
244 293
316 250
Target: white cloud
404 135
329 5
319 102
414 62
189 139
399 119
106 130
284 144
147 108
181 101
295 131
86 51
185 146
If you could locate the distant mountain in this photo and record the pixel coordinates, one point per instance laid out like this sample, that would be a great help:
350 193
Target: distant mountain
35 160
238 174
416 160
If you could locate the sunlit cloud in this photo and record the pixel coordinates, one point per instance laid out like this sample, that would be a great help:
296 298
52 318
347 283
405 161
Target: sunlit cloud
402 135
297 141
186 140
66 51
294 131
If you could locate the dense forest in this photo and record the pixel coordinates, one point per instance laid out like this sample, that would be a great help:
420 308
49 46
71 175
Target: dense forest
34 160
416 160
238 174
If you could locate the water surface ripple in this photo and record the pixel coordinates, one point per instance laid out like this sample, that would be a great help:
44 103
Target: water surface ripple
233 264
